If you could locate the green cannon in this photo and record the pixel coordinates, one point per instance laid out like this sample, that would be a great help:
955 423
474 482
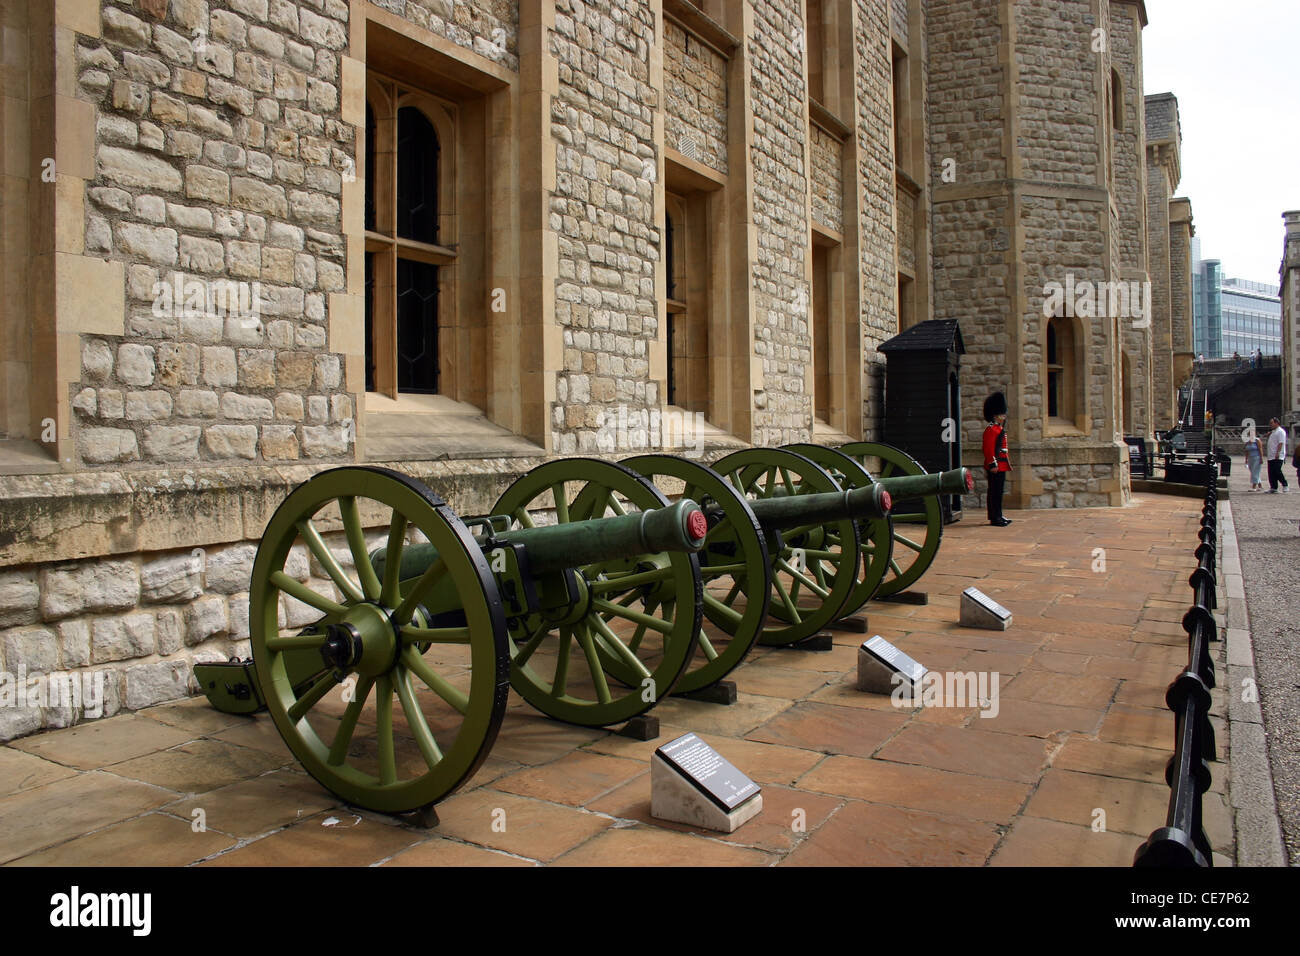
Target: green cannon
898 550
803 516
393 694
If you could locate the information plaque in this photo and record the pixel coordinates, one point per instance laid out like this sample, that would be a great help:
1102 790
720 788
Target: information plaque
692 783
878 663
710 772
980 610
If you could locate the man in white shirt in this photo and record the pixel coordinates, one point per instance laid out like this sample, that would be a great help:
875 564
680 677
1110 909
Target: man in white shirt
1276 457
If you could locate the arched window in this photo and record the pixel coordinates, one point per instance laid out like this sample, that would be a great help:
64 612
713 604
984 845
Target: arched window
1061 377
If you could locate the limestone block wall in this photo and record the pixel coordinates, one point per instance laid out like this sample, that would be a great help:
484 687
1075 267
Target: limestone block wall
1056 76
1159 193
602 212
218 163
905 210
1063 236
124 605
964 84
1289 274
898 20
827 179
878 274
781 293
1130 140
695 98
972 273
488 27
1180 290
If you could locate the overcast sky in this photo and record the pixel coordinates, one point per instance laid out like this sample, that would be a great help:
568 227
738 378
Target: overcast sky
1233 67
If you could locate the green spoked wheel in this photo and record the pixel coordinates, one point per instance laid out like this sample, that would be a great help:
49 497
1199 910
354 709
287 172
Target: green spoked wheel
917 523
405 695
611 638
877 534
813 566
734 555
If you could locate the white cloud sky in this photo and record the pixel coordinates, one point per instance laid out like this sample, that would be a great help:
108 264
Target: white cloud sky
1233 67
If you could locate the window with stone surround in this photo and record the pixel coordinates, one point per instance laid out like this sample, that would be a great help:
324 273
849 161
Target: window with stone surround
1061 379
687 308
821 329
1117 100
411 250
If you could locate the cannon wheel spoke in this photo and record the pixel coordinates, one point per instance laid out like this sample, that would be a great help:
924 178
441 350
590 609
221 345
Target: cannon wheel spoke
617 645
849 472
923 520
813 575
357 747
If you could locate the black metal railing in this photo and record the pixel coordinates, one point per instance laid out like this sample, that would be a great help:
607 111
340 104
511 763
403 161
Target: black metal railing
1182 841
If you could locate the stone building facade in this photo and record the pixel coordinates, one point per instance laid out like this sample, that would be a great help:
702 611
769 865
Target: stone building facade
231 224
1039 224
1289 279
1164 170
246 240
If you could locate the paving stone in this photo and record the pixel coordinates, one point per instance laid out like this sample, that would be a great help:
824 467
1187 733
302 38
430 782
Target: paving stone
918 788
1141 727
1034 719
1067 691
647 846
199 766
748 712
534 740
439 852
101 743
251 807
972 751
1130 806
23 771
527 828
32 820
575 779
194 715
771 680
831 729
1036 842
1113 760
351 840
259 733
154 839
867 834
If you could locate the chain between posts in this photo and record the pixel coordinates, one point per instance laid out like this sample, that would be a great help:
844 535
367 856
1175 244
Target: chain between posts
1181 841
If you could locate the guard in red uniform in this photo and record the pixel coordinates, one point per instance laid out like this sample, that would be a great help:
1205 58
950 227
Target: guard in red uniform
996 461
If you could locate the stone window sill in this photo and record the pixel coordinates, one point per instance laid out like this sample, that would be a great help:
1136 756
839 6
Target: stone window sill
1062 428
434 427
22 456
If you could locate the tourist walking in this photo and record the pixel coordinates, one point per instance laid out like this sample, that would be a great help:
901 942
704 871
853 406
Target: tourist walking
1276 457
996 460
1254 461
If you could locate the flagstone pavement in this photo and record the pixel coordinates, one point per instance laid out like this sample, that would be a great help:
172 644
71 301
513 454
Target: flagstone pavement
1070 771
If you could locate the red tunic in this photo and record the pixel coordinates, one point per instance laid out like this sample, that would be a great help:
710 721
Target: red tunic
995 448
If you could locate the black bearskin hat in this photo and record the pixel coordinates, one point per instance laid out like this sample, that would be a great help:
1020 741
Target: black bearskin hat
994 405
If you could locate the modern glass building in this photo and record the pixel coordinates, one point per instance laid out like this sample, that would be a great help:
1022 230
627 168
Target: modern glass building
1207 326
1251 317
1233 315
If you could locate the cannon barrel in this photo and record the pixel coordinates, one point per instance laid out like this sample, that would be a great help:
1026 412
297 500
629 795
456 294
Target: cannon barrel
678 527
788 511
958 481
